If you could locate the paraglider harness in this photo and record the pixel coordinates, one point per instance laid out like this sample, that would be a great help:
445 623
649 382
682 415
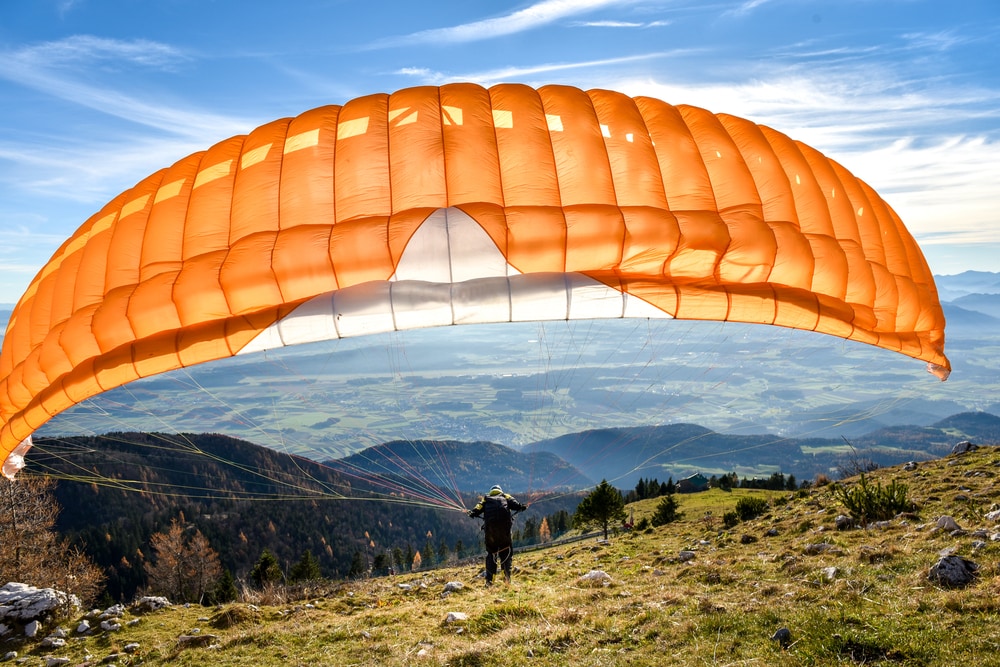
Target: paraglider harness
497 516
498 519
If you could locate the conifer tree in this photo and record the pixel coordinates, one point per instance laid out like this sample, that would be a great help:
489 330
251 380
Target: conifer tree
266 570
306 569
600 507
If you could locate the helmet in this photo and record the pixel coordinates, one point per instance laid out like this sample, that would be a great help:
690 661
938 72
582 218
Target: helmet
496 490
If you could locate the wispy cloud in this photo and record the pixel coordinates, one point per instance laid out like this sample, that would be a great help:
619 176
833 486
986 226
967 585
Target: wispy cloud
54 68
620 24
534 16
745 8
488 77
89 50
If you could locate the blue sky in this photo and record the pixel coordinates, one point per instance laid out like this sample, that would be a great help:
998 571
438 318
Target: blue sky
97 94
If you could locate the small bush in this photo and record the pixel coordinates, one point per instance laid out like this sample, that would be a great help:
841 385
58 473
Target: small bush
666 511
750 507
873 502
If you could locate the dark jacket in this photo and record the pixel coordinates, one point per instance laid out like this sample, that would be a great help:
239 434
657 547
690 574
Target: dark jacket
495 508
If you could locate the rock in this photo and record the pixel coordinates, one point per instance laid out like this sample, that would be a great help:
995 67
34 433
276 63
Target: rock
843 522
953 572
993 516
963 447
10 655
686 555
131 647
747 539
406 587
150 603
773 532
456 617
110 625
54 662
595 578
115 611
4 629
453 586
83 627
947 523
23 603
31 629
910 466
783 636
829 573
53 642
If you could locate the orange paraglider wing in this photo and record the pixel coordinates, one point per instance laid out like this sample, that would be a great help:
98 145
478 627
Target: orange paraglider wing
461 204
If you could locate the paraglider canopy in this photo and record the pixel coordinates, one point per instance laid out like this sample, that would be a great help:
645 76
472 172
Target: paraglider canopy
460 204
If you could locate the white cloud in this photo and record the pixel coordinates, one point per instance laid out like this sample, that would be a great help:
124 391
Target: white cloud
488 77
88 50
53 68
620 24
745 7
534 16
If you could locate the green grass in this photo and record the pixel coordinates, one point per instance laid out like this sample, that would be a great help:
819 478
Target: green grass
719 609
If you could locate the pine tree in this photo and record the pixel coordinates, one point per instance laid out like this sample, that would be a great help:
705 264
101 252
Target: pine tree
600 507
666 510
225 589
306 569
266 570
359 565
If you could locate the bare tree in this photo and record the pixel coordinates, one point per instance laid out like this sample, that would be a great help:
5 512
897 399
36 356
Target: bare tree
31 551
185 566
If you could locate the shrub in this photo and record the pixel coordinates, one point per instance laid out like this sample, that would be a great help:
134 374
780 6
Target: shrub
666 511
750 507
872 502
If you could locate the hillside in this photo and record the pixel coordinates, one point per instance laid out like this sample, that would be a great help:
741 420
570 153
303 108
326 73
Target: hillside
689 592
467 466
624 455
119 489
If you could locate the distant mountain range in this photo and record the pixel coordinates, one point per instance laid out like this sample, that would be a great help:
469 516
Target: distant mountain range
624 455
467 466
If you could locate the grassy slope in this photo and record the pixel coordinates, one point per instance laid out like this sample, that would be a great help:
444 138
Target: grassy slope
719 609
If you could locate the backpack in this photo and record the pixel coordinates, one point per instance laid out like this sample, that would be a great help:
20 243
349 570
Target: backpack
495 511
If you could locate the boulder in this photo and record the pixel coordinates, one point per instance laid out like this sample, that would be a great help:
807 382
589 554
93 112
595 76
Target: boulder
953 572
963 447
22 603
947 523
150 603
